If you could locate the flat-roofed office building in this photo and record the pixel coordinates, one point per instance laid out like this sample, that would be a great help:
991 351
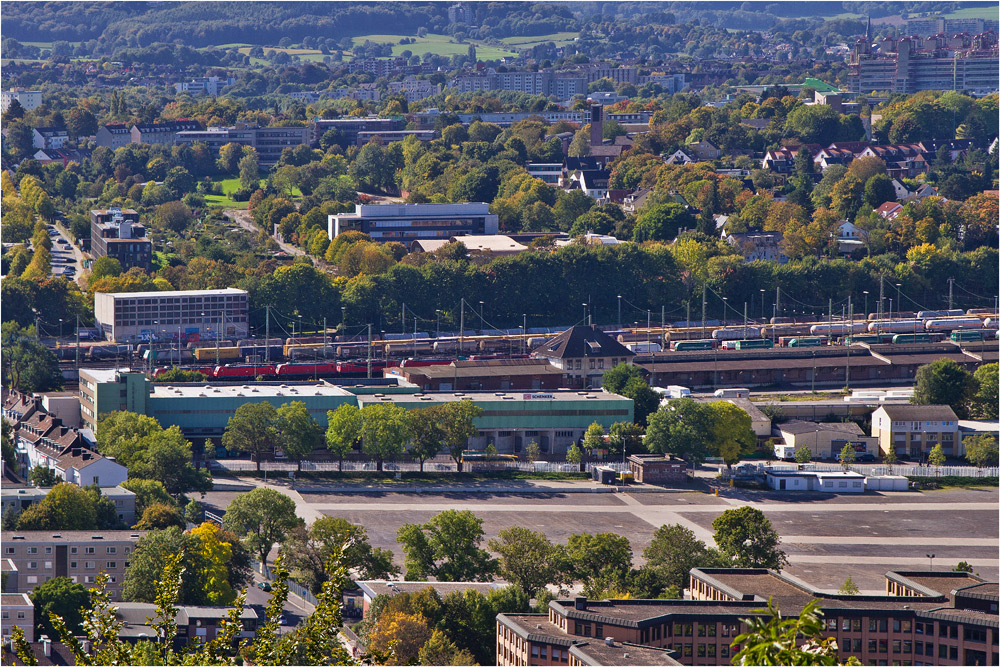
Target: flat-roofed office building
185 314
410 222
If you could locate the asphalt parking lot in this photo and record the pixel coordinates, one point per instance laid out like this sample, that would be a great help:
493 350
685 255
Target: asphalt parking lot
826 539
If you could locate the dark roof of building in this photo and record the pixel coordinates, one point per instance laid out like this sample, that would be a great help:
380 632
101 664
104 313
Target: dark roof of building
584 162
598 652
797 426
172 126
904 412
739 362
117 128
582 341
486 368
71 535
537 628
940 583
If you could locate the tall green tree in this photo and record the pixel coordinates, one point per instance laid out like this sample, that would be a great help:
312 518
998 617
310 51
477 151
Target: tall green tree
385 428
683 428
944 382
458 425
252 429
261 518
730 432
528 559
746 538
981 450
627 380
308 550
674 551
662 222
28 365
426 433
343 431
588 554
447 548
298 431
985 401
63 597
65 507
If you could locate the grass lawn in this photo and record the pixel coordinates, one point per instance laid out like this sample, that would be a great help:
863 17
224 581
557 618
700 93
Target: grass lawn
231 185
974 13
560 39
442 45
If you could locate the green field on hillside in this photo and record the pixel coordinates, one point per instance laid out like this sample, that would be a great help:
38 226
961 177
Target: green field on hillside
442 45
560 39
974 13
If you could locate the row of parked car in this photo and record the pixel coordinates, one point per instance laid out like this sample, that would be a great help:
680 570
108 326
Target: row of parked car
63 260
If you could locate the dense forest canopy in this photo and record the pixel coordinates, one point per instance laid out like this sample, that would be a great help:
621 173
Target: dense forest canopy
202 24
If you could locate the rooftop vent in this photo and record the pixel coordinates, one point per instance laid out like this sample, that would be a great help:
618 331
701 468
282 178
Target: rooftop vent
610 641
580 602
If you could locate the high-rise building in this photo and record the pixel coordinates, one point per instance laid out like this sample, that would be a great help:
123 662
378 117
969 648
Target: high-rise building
939 62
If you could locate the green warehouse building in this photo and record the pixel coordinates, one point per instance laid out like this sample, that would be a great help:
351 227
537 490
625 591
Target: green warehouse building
510 420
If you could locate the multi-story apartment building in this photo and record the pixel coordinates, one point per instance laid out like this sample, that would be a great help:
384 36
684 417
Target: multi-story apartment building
388 136
410 222
161 133
180 315
49 137
350 127
80 555
210 85
544 82
267 141
103 391
414 89
114 136
925 27
18 499
616 74
914 430
929 618
29 99
117 233
17 612
939 62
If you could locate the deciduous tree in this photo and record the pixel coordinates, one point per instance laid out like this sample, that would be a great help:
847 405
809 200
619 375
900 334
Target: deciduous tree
262 518
447 547
746 539
343 431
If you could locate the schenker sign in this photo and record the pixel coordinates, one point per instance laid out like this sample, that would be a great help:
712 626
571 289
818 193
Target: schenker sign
538 397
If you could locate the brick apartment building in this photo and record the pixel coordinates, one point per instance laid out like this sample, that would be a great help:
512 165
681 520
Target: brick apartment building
925 618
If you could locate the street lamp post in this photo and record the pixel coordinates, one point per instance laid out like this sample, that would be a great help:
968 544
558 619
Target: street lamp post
437 326
619 311
866 304
762 306
482 322
343 319
931 558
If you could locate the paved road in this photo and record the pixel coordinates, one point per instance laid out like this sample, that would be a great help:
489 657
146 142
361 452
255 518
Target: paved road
245 220
71 249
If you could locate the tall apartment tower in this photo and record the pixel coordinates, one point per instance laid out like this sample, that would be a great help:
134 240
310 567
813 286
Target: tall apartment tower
596 124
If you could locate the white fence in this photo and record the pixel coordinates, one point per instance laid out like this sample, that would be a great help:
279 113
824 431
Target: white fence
904 469
437 466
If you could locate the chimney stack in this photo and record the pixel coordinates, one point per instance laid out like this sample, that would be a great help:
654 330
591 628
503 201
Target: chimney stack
596 125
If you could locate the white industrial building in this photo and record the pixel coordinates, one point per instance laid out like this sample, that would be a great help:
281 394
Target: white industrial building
183 315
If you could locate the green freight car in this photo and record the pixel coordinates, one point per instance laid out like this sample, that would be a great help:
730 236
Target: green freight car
685 345
748 344
911 338
807 341
967 335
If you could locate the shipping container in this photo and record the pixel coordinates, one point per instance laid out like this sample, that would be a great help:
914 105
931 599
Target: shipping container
212 353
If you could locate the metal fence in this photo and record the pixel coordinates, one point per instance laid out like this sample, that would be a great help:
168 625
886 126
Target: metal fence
293 586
